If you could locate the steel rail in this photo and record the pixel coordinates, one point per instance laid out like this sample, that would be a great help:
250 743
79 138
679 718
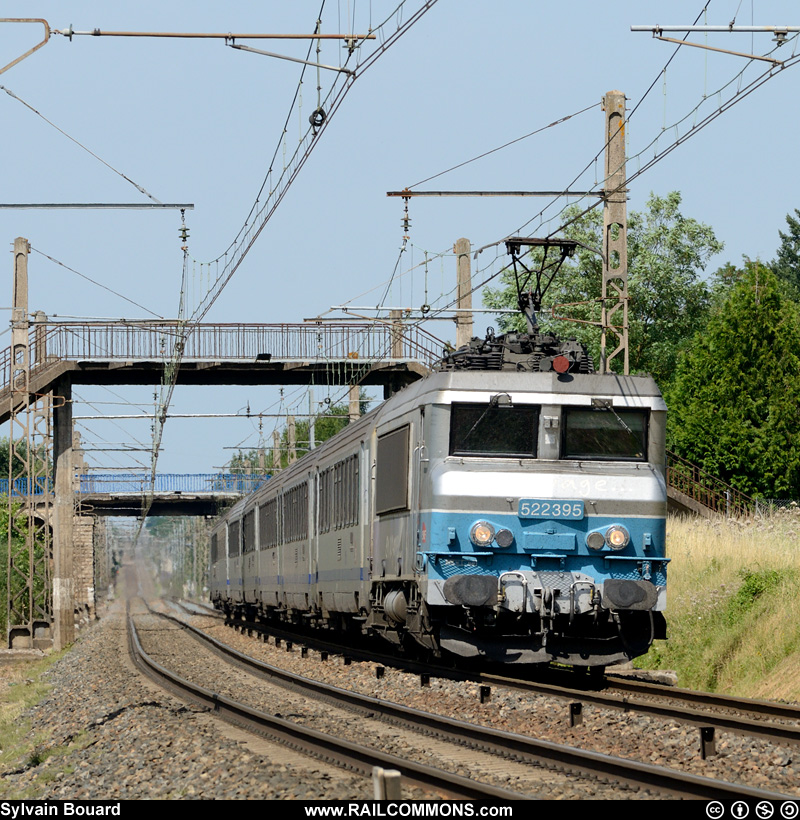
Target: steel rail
775 732
339 752
768 708
521 747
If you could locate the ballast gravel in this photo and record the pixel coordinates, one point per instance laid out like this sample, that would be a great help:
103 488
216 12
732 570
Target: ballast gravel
661 742
102 733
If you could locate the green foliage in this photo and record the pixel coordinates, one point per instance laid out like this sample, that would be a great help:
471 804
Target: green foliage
163 526
667 253
735 400
755 583
787 263
18 541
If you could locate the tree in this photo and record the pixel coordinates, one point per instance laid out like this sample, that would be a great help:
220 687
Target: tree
735 401
667 253
787 263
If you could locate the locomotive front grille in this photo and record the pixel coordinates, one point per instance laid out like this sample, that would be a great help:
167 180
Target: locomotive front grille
448 567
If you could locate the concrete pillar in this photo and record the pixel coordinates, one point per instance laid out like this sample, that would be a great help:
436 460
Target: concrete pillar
464 272
292 437
63 577
276 451
614 319
354 403
397 333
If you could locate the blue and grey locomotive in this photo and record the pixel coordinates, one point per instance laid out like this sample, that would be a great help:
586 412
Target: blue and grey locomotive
510 506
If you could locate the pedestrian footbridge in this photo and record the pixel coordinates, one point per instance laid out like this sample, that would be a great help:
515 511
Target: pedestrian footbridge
124 494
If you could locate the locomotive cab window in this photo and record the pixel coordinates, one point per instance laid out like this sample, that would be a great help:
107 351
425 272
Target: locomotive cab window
496 429
604 433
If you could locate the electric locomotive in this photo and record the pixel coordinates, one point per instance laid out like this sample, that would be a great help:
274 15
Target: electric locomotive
510 507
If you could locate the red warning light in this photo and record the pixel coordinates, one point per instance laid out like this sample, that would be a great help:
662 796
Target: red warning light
561 364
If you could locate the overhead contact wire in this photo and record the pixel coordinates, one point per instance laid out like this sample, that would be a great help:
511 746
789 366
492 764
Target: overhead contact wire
99 284
81 145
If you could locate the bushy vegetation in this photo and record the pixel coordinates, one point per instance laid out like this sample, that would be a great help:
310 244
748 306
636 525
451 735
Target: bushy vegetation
19 580
733 612
735 399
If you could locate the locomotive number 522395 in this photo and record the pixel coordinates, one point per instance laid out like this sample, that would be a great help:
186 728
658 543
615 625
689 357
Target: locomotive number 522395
543 508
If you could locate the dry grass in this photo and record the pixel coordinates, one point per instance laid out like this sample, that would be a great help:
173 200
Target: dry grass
733 609
21 686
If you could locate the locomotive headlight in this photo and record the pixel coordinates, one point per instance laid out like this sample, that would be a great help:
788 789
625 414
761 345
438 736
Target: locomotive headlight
595 540
481 534
617 537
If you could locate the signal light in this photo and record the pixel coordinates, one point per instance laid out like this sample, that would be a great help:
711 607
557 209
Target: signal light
561 364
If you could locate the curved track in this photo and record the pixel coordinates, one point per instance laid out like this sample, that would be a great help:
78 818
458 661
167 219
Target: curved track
519 747
772 721
357 758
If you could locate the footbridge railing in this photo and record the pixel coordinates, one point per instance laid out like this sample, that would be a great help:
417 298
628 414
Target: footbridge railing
195 483
707 490
138 483
155 341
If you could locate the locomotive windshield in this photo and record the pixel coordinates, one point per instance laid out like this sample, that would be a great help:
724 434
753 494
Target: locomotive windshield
605 433
494 430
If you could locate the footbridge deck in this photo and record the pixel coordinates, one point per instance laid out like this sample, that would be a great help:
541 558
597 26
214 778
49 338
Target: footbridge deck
124 494
137 352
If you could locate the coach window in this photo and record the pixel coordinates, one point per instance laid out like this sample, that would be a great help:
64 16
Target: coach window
497 429
268 524
234 539
249 527
295 513
391 475
325 500
605 433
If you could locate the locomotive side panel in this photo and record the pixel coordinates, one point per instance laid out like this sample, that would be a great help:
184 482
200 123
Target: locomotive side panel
394 527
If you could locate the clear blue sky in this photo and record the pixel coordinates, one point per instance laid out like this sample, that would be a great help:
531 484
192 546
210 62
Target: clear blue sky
194 121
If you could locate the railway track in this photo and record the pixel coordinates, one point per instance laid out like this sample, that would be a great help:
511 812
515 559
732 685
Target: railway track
708 700
341 752
527 750
772 721
744 717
